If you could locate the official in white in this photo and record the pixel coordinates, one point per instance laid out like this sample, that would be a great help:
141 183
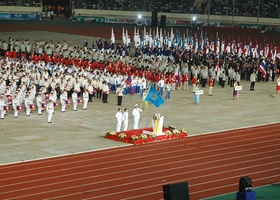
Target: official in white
39 103
136 116
85 99
2 103
75 100
50 109
63 98
15 103
118 120
125 119
27 102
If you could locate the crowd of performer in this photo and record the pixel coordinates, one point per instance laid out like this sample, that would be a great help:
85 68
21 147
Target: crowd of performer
41 74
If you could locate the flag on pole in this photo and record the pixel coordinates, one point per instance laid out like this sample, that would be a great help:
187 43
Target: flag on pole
113 39
262 68
144 42
179 76
154 97
123 37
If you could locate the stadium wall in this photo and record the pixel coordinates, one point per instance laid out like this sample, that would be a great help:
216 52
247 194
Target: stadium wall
20 9
179 16
220 19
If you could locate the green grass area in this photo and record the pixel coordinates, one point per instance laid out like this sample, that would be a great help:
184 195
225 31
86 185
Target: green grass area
269 192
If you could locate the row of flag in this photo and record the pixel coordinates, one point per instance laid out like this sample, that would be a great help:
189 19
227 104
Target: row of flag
201 42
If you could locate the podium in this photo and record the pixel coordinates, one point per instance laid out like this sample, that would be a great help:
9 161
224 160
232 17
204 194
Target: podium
158 125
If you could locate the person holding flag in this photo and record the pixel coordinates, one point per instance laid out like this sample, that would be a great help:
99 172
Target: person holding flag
145 103
262 69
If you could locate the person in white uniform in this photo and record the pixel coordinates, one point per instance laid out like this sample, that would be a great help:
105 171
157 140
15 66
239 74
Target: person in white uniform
39 103
2 103
125 119
50 109
75 100
118 120
63 98
15 103
85 99
136 116
27 102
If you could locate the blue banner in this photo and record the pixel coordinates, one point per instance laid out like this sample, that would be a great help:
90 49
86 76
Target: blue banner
25 17
20 16
5 16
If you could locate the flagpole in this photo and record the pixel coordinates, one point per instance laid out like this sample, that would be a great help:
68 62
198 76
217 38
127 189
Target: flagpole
146 94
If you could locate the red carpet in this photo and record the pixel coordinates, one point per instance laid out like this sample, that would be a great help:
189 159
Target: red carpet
137 137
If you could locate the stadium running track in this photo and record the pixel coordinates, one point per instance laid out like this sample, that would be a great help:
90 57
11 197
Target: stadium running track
212 164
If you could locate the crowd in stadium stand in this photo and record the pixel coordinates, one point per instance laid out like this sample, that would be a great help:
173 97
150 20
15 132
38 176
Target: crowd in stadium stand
249 8
268 8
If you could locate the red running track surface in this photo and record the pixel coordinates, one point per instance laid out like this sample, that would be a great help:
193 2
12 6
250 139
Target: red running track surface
212 164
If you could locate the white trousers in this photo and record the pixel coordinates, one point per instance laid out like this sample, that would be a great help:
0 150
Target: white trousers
63 106
75 103
85 104
39 107
27 110
2 112
50 113
125 125
118 127
136 122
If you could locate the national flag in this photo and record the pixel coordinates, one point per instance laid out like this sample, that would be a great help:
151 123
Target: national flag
143 36
154 97
123 37
262 68
218 46
113 39
196 46
223 46
128 80
134 35
128 41
274 54
143 39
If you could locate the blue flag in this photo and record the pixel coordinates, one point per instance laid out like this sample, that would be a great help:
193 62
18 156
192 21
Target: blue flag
154 97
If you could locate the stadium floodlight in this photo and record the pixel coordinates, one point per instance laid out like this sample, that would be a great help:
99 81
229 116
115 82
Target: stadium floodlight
194 18
139 21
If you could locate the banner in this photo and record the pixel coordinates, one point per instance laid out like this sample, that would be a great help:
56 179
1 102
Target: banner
121 20
90 19
25 16
20 16
183 22
111 20
128 21
5 16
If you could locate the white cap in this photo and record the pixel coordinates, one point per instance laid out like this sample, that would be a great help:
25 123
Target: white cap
136 105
